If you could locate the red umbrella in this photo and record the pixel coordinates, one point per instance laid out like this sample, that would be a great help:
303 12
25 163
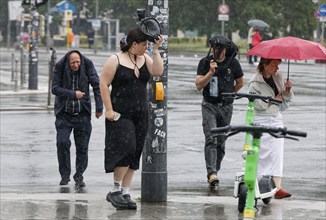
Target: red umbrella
289 48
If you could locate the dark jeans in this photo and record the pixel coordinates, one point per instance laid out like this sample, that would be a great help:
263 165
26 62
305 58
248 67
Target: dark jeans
215 115
250 56
81 126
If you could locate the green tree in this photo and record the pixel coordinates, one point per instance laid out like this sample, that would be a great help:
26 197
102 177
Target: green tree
287 17
301 23
281 15
125 11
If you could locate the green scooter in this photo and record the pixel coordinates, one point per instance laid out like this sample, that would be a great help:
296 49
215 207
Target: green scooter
250 176
264 187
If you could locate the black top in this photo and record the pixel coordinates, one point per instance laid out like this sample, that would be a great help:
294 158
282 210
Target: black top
226 76
272 84
129 93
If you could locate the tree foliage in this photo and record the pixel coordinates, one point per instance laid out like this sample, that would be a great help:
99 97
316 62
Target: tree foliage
285 17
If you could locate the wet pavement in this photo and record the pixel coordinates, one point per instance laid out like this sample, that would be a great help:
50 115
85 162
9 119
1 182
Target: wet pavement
93 206
29 175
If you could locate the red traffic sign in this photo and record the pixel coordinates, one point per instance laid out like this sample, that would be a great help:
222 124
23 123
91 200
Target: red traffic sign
223 9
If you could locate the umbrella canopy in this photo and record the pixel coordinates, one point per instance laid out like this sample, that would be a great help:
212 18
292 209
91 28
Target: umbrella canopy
290 48
258 24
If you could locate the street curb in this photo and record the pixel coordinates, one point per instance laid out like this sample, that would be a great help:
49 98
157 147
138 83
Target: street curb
42 90
26 108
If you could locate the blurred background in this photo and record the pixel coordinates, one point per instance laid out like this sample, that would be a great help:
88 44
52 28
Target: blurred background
102 23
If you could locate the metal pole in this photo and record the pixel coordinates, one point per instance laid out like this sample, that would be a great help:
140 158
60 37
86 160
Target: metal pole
318 26
48 25
22 63
95 37
322 32
52 61
24 68
222 29
154 163
16 74
8 33
33 53
12 66
68 32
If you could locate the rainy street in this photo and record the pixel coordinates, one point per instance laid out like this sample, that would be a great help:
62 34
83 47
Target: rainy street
29 163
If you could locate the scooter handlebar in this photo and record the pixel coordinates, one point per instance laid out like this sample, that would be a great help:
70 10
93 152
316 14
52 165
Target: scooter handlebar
236 95
220 130
279 132
297 133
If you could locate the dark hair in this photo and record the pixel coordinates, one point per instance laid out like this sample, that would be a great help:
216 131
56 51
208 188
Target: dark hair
264 61
134 35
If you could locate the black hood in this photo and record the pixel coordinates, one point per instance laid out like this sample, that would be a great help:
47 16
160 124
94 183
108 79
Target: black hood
222 42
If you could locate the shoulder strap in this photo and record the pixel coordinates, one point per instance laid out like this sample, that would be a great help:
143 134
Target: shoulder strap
118 58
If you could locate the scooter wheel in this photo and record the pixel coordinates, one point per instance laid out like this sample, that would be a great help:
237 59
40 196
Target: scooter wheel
266 184
242 197
267 200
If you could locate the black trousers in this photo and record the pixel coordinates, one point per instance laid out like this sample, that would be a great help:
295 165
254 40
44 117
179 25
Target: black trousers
215 116
81 127
250 56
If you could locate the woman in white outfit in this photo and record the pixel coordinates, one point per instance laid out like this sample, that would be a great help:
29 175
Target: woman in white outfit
268 82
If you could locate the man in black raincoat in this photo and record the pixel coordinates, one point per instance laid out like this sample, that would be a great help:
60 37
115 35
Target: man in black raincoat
70 84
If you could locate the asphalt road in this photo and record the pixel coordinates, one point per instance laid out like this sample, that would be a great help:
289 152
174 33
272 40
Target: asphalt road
28 152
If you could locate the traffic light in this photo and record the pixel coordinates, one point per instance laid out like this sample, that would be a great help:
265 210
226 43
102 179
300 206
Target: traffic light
41 26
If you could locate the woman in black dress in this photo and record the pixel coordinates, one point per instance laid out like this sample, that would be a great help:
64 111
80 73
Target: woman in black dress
127 72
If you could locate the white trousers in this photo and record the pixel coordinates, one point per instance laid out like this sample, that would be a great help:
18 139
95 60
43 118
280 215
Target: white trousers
271 149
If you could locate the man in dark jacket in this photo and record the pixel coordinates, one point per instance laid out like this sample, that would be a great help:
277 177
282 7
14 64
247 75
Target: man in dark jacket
90 37
70 84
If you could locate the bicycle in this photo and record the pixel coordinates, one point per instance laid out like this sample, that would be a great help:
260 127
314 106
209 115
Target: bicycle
250 173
